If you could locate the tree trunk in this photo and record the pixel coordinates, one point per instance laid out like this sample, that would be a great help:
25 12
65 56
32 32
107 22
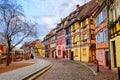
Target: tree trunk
8 59
8 54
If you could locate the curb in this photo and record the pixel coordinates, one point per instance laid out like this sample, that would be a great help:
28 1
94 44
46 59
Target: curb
38 73
89 68
94 73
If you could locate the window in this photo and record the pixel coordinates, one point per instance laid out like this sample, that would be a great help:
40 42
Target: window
76 13
106 35
67 31
114 13
97 21
98 38
76 52
104 13
84 24
84 52
84 36
67 41
77 38
101 37
92 36
100 56
74 38
101 17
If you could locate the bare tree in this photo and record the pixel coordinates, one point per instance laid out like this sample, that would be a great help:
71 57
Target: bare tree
14 27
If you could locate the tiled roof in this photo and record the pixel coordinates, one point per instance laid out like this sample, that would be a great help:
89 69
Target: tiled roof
88 9
32 43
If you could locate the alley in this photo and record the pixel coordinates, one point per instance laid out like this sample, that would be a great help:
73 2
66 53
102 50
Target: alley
71 70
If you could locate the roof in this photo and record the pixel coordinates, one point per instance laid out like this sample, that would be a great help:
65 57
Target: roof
88 9
32 43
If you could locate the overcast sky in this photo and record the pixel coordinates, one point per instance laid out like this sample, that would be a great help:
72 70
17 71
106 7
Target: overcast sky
48 12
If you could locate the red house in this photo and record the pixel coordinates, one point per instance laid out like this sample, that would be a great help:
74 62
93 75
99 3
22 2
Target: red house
3 53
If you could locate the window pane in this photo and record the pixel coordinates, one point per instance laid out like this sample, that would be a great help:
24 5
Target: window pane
100 56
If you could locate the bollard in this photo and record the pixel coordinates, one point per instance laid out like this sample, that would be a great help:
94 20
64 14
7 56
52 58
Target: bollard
97 66
119 73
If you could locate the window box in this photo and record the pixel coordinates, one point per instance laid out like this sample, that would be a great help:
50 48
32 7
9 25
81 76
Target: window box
111 24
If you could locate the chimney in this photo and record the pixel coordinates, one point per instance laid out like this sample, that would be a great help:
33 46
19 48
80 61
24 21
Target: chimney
77 7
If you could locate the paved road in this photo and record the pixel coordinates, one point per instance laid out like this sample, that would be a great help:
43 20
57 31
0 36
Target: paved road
70 70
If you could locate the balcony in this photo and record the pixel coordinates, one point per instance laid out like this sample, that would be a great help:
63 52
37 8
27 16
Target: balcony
68 46
84 40
67 36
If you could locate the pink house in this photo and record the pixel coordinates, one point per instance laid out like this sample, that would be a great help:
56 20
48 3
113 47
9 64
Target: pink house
60 41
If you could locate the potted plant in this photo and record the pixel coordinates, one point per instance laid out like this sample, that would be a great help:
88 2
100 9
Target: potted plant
111 24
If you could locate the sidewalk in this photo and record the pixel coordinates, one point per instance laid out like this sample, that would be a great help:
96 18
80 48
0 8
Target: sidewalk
103 72
24 72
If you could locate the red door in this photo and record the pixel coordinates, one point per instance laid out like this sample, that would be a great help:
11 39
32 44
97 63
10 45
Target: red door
59 52
52 54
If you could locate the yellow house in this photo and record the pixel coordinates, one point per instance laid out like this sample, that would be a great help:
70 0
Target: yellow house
87 32
38 47
87 40
114 31
75 40
83 33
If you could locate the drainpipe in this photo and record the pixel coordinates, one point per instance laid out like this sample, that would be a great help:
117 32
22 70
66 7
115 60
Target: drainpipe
108 36
79 38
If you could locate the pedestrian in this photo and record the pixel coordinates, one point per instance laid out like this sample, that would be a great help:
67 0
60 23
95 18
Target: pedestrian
32 57
95 60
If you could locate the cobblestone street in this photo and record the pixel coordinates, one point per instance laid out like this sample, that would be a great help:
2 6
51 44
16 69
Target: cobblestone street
71 70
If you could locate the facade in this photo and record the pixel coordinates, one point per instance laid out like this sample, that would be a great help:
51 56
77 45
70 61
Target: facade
68 39
75 40
53 43
60 41
75 33
33 47
37 46
3 55
46 43
114 31
87 31
101 31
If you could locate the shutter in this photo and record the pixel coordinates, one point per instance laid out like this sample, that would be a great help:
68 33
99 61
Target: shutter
102 37
106 35
96 39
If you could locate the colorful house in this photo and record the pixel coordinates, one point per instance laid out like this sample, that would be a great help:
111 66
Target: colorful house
47 45
114 32
87 31
72 35
37 46
75 40
75 33
53 43
101 31
3 55
68 38
60 41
